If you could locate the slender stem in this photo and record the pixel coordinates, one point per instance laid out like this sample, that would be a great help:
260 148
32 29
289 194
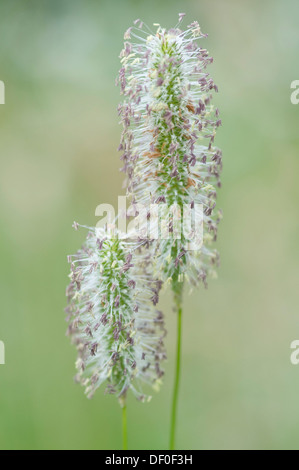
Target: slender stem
125 431
177 373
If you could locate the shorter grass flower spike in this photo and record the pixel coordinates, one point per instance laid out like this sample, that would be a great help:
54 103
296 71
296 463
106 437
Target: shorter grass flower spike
112 319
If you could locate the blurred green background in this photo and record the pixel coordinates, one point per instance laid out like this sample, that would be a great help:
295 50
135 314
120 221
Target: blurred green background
58 139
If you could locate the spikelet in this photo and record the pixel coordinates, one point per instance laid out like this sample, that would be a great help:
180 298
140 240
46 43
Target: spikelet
112 317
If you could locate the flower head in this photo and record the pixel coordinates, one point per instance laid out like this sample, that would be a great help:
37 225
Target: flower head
169 127
112 319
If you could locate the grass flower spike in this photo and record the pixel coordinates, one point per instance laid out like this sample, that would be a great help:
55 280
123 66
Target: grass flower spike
168 138
112 320
168 151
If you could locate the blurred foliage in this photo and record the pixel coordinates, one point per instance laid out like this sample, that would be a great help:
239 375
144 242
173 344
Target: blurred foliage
59 135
